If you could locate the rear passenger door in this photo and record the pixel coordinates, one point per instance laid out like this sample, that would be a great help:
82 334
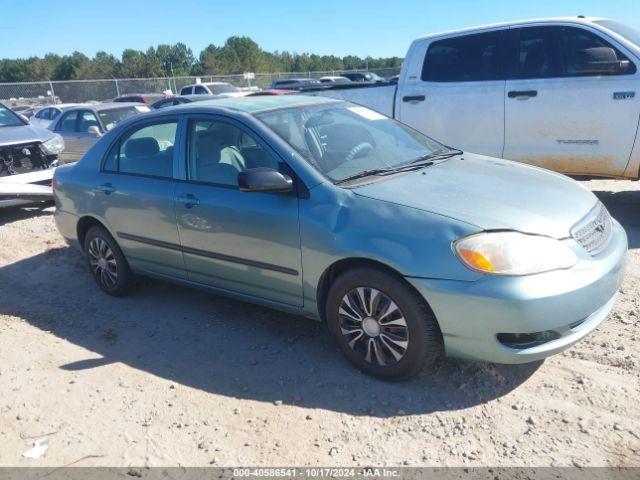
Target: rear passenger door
564 113
244 242
134 194
456 95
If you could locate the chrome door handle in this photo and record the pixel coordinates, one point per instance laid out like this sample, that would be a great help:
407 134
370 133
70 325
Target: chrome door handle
106 188
413 98
189 200
522 93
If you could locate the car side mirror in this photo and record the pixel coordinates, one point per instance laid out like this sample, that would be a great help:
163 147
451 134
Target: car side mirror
600 60
95 131
264 180
23 118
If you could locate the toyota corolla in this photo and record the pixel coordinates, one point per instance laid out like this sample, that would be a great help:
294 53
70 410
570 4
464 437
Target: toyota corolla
404 247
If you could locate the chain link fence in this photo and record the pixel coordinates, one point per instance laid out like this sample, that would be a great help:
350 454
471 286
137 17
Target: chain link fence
72 91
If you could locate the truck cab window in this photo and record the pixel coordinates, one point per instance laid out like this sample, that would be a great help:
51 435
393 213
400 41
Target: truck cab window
467 58
584 53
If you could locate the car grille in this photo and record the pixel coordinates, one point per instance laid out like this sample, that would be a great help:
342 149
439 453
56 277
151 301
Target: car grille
593 232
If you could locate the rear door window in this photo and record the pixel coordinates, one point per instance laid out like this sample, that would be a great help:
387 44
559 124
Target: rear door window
185 90
200 90
147 151
467 58
538 53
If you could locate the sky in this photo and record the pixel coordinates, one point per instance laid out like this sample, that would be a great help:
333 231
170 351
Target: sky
380 28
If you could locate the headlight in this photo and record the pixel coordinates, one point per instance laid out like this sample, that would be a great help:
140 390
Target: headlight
513 253
54 145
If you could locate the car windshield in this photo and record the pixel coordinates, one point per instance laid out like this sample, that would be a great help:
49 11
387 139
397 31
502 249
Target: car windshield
343 140
630 33
8 118
110 118
217 89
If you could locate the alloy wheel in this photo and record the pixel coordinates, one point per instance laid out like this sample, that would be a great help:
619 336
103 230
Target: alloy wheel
103 262
373 326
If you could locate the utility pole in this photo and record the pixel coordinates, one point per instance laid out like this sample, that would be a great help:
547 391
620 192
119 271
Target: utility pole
117 87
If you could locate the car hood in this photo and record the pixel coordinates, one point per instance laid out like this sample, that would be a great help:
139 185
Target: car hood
23 134
491 194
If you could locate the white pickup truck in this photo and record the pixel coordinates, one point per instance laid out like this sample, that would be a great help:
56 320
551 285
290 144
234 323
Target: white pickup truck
559 93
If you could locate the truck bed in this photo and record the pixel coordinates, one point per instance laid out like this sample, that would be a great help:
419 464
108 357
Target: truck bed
379 97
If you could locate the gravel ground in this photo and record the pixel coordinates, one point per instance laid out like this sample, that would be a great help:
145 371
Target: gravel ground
171 376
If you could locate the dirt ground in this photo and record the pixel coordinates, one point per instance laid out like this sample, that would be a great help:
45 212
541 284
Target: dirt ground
171 376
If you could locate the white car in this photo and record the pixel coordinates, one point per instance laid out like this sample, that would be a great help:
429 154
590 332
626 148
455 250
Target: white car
559 93
28 155
43 116
222 89
334 79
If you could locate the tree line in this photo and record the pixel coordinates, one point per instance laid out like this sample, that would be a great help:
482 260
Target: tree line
237 55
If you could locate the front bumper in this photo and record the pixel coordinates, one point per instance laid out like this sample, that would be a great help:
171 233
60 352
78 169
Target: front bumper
573 301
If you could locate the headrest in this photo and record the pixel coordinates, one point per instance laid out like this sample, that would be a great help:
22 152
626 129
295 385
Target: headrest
141 147
283 130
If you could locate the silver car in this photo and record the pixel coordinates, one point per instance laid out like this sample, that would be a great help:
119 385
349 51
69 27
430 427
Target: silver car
43 116
82 126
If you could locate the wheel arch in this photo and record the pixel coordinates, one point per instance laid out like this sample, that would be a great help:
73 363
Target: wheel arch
345 264
84 224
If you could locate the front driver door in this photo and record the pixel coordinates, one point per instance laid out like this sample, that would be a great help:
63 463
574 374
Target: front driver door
244 242
561 116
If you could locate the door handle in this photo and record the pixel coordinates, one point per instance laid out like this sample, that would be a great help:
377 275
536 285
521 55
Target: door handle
522 93
189 200
106 188
413 98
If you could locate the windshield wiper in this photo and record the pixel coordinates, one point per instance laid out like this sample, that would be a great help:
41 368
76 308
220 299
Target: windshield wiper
437 156
365 173
416 164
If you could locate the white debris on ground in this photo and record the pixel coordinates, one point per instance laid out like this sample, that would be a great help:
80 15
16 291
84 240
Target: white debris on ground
39 449
171 376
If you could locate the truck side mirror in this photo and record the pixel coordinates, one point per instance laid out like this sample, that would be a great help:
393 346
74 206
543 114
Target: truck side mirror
600 60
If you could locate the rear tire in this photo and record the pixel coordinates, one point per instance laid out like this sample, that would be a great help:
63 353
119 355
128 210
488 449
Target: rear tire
106 262
382 325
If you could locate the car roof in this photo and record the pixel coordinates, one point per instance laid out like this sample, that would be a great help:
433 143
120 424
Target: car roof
98 107
125 95
61 106
575 19
259 103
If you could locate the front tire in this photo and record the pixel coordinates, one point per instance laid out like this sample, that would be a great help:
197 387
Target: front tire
106 262
381 325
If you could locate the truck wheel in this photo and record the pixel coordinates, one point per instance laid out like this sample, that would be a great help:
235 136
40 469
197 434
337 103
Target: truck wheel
106 262
381 325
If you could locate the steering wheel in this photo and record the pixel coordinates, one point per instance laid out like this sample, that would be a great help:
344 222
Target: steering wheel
358 150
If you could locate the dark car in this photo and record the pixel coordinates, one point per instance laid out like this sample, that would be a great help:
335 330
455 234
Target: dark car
271 92
363 77
295 83
146 98
179 100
